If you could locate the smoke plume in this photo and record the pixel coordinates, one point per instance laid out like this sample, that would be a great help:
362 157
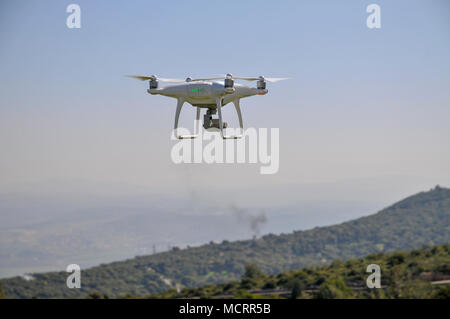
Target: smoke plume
254 220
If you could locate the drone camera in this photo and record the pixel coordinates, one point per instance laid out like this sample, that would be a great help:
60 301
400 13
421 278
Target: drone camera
209 122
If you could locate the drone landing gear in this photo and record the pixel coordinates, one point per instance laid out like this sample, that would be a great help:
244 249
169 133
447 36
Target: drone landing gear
221 126
208 121
177 116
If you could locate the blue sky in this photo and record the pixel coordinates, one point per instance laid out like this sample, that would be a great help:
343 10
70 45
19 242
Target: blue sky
362 103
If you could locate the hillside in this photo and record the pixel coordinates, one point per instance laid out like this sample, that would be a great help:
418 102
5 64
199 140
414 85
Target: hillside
422 219
420 273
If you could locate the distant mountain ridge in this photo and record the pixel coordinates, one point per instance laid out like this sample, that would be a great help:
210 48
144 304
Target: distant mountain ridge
419 220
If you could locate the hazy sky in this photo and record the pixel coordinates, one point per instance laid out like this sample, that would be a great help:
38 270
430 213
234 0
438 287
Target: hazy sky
367 111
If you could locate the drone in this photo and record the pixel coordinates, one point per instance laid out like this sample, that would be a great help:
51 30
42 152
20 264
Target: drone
210 94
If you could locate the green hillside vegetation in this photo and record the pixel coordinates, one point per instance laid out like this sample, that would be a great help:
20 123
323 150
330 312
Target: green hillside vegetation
412 274
417 221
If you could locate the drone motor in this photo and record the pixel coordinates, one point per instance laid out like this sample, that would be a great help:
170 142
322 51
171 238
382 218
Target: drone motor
261 84
153 83
228 82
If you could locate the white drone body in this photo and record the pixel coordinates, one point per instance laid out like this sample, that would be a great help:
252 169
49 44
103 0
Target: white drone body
209 94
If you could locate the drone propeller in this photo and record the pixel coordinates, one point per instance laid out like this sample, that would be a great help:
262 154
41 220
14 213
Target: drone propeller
260 78
207 79
153 77
255 78
229 76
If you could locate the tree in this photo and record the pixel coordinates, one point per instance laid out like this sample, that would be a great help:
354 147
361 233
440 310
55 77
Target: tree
297 288
252 276
334 289
442 293
96 295
252 271
2 295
